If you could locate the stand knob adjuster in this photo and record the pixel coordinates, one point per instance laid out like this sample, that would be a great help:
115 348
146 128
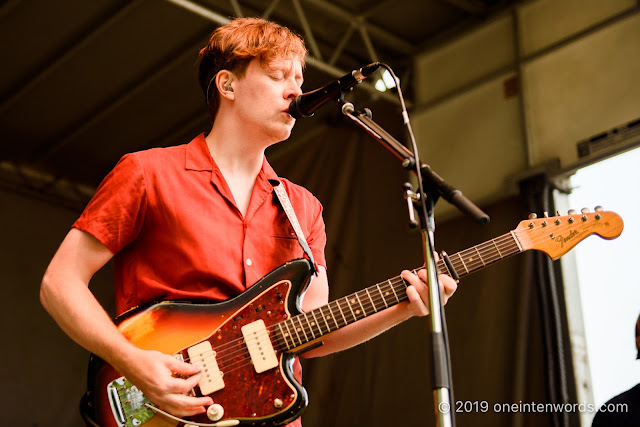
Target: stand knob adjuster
452 271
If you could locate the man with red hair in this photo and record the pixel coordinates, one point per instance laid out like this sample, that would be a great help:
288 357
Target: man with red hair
201 222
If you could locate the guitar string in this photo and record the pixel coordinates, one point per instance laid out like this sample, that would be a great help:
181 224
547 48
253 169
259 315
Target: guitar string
490 246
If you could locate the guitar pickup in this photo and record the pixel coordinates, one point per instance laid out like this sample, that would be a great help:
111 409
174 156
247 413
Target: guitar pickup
256 338
202 354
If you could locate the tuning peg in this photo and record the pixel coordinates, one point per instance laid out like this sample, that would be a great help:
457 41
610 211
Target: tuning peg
533 216
572 212
546 214
599 208
584 210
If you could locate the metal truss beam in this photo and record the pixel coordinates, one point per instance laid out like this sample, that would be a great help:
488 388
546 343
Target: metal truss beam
68 53
165 66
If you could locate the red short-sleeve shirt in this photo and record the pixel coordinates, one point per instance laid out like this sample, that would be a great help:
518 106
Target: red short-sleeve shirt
169 217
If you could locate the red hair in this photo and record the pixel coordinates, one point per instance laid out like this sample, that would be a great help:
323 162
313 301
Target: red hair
232 46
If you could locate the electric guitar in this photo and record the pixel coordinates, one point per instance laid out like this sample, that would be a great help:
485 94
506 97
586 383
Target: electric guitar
247 345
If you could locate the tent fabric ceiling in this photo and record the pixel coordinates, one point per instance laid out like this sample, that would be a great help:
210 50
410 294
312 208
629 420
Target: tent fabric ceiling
84 82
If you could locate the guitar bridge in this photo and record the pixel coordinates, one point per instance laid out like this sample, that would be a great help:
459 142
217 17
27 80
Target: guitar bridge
128 403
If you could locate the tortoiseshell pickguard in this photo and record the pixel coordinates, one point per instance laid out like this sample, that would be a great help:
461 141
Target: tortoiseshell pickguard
248 394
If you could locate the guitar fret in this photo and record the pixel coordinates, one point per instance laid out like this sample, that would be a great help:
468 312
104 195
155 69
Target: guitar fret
324 317
383 299
350 309
302 328
310 326
342 313
462 261
357 297
293 325
512 234
490 250
315 319
479 256
497 248
373 304
394 291
290 334
283 336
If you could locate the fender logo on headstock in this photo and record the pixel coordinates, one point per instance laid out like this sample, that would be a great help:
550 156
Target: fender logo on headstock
562 240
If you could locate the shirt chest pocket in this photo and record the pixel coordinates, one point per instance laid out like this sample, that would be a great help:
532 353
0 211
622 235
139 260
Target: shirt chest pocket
283 245
283 230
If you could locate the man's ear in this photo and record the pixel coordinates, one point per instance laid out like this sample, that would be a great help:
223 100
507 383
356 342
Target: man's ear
224 83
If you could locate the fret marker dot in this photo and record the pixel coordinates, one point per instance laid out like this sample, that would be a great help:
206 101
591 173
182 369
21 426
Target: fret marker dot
357 311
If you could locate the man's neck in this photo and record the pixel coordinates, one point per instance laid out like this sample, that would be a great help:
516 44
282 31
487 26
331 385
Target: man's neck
234 153
239 160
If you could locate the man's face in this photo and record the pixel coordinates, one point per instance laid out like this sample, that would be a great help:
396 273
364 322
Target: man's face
263 95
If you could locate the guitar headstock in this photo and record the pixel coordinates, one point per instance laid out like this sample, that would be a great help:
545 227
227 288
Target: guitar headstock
555 236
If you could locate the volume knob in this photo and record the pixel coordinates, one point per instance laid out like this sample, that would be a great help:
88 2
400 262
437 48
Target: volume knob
215 412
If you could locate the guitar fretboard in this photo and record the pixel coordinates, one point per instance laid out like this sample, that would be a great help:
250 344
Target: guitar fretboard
307 327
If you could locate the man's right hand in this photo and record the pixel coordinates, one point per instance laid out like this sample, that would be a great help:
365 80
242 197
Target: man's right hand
165 380
66 296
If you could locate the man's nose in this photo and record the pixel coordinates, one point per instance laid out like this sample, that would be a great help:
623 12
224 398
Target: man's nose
293 91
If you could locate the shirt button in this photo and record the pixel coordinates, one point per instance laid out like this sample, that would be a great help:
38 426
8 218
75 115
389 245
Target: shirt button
249 262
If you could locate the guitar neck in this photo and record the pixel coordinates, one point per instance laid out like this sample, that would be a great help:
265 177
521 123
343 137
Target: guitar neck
480 256
307 327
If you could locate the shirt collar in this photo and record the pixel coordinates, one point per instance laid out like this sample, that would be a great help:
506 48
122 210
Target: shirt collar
198 158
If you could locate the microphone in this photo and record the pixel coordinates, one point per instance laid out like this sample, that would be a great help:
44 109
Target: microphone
307 103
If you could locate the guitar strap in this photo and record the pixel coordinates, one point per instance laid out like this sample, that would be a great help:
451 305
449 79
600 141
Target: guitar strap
293 219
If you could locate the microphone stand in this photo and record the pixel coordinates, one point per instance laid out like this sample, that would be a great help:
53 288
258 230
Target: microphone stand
434 187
